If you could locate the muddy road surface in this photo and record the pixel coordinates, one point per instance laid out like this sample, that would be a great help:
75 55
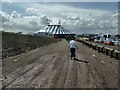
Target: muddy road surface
51 67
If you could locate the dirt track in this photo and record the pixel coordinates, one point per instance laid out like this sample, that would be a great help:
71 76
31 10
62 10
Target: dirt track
50 67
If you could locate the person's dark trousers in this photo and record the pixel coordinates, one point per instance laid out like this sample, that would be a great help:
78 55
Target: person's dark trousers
72 50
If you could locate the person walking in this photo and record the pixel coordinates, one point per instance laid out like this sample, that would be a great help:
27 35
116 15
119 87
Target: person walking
68 39
73 47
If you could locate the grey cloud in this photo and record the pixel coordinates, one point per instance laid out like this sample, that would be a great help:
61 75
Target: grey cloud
4 17
22 28
15 24
75 20
44 20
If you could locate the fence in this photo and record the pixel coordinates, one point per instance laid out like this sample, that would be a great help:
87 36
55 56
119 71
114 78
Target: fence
101 49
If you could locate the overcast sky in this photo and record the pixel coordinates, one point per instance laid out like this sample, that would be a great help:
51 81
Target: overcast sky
77 17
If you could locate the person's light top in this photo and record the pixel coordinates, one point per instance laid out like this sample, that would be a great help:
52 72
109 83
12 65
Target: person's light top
73 44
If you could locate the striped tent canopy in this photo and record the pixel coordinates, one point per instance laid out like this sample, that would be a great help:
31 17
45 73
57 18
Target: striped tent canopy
54 31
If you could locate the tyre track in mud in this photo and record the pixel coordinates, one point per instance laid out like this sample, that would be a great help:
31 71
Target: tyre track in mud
52 68
103 70
16 76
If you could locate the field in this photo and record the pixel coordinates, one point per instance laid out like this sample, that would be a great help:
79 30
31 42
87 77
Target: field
50 66
14 44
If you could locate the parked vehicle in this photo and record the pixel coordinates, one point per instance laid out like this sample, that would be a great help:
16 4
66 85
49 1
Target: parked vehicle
96 40
117 43
109 42
101 40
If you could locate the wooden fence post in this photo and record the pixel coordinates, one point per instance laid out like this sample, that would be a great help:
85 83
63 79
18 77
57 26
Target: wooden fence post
106 51
117 54
112 53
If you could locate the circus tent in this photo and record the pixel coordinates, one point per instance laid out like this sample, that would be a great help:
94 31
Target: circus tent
53 31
